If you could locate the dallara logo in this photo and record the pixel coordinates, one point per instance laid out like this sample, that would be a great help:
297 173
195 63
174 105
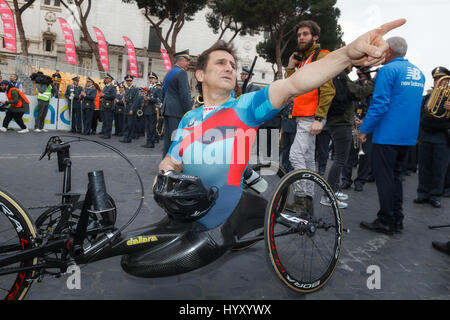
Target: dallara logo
140 239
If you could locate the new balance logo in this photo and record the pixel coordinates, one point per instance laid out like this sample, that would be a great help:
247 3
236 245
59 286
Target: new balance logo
413 74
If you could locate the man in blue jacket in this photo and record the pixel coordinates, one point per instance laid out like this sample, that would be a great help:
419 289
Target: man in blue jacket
393 118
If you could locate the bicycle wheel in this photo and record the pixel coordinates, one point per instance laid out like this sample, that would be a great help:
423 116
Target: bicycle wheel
272 173
304 244
16 234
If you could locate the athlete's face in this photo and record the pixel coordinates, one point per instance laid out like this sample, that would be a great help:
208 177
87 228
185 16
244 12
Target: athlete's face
220 72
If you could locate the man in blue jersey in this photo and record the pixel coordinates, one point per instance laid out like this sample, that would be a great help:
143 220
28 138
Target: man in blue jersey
214 141
393 118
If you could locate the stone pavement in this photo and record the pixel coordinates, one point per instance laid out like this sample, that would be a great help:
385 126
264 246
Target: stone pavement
409 267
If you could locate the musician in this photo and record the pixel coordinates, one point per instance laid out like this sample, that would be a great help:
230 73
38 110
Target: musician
73 99
119 112
88 96
434 149
140 120
152 101
131 106
108 96
361 90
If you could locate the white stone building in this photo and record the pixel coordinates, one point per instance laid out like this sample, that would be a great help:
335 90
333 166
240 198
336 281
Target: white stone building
117 19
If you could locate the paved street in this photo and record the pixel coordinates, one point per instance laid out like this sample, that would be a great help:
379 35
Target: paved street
409 267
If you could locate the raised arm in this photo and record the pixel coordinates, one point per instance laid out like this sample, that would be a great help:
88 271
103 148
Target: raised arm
368 49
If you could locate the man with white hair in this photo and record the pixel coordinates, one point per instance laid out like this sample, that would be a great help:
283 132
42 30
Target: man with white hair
393 118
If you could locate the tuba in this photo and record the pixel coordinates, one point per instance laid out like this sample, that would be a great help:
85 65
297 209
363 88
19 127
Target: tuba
440 94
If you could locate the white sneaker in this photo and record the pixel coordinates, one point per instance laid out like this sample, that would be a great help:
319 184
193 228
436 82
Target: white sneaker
341 196
3 129
326 202
23 131
44 130
37 130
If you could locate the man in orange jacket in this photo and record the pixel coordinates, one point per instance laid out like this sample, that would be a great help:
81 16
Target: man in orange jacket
310 110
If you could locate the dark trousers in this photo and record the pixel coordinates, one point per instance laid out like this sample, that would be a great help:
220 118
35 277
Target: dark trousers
322 150
170 126
140 127
342 138
287 140
150 128
75 121
88 115
130 127
118 123
17 116
388 166
434 154
363 161
42 113
107 118
447 181
96 117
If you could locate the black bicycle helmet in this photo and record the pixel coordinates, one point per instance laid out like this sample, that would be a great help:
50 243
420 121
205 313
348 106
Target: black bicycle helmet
183 197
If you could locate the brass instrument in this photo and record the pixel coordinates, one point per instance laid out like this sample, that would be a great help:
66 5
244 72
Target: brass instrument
356 143
440 94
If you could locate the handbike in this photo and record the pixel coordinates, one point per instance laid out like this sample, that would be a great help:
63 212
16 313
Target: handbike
303 249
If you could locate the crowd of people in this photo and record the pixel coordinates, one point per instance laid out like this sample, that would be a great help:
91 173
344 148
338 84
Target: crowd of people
376 123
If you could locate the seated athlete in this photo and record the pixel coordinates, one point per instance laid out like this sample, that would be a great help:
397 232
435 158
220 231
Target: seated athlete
213 142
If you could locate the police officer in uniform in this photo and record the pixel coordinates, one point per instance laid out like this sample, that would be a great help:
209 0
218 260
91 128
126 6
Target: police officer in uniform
152 100
107 107
177 98
88 105
73 97
131 98
119 112
250 86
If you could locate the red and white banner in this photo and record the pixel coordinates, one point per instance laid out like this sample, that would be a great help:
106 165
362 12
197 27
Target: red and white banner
166 60
71 55
102 49
9 26
131 57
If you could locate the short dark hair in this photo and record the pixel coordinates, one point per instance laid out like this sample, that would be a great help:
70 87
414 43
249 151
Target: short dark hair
203 58
312 25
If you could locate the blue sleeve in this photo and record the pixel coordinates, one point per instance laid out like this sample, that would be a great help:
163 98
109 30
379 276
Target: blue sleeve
381 99
257 106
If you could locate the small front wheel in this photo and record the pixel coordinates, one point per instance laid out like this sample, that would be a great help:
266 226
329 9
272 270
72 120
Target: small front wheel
303 234
16 234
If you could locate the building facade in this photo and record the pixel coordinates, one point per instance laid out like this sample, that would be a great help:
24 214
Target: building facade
117 19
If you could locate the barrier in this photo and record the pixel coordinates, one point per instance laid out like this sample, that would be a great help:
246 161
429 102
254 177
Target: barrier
58 115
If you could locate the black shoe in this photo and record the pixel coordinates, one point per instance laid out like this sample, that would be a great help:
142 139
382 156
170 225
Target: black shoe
358 188
435 203
377 226
370 179
398 227
420 201
442 246
125 141
346 185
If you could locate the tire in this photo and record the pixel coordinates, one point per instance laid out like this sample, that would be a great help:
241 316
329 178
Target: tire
17 233
272 173
303 260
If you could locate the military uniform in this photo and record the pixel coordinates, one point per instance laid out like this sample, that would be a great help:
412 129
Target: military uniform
107 107
154 95
177 100
73 97
119 115
131 104
88 107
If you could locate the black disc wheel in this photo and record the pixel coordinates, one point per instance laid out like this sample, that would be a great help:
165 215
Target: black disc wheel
303 234
16 235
